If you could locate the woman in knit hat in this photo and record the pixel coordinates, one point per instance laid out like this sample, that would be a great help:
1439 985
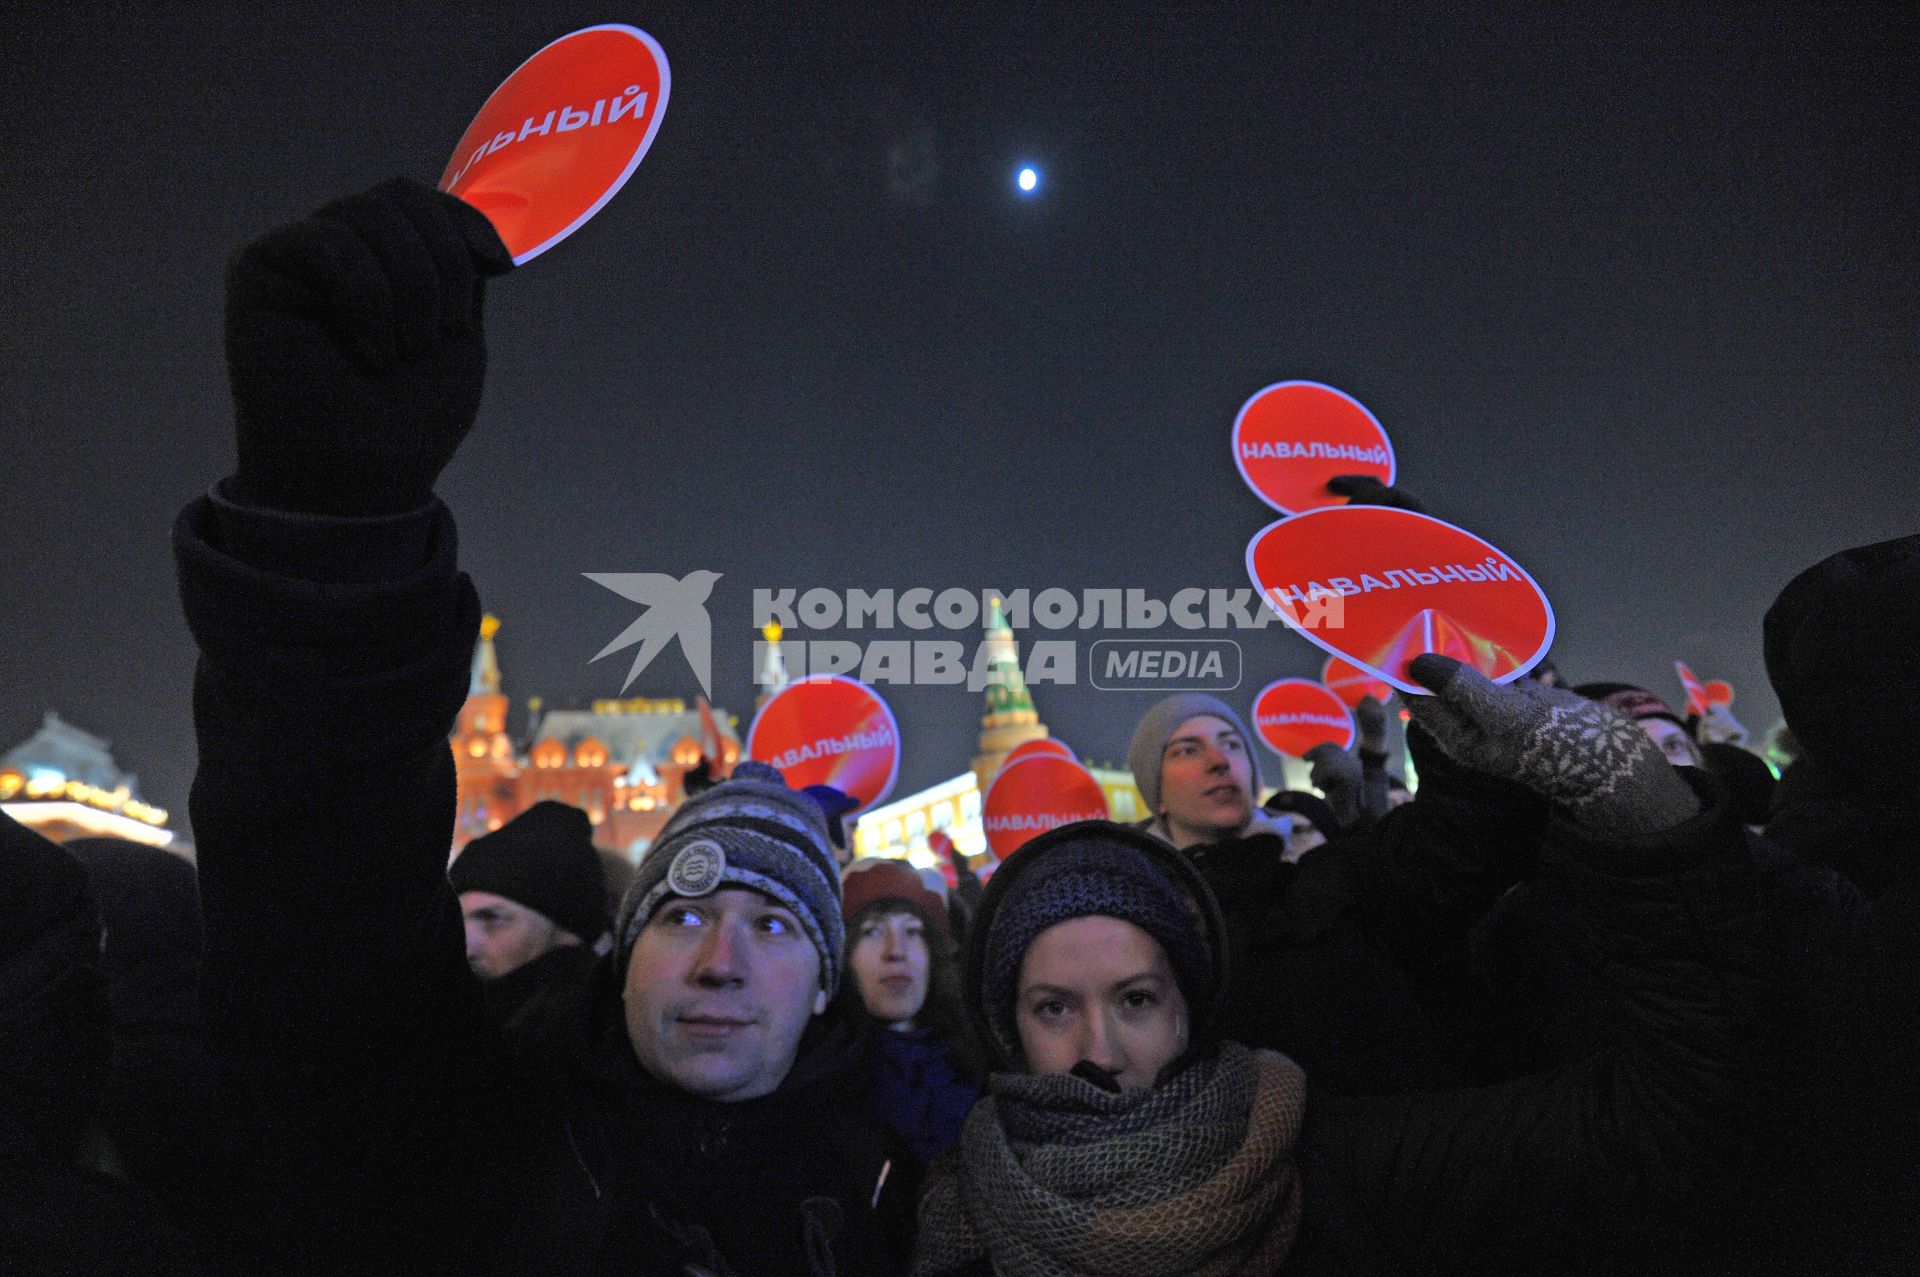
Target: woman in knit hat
1125 1137
900 951
1131 1141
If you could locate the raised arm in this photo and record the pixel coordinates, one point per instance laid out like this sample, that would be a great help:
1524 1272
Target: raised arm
1569 1164
335 633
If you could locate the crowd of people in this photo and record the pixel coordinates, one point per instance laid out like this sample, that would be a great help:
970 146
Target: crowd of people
1600 997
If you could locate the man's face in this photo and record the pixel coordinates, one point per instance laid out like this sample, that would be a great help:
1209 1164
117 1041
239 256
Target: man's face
1100 989
1206 781
718 991
1672 740
503 935
891 961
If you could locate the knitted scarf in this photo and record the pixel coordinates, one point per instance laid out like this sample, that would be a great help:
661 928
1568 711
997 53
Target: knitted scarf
1055 1176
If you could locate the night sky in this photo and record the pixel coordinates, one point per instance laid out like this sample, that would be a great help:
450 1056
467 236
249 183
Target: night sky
1633 288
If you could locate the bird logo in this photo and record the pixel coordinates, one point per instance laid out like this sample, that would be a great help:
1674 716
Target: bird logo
676 608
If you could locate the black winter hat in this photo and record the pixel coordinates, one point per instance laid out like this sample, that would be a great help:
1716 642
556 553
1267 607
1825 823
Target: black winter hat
1839 645
545 859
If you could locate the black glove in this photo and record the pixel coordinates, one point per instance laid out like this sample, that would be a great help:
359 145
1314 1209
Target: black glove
355 352
1336 773
1364 489
1370 725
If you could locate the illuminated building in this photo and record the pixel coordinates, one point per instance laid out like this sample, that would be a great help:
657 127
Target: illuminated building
63 783
901 827
623 762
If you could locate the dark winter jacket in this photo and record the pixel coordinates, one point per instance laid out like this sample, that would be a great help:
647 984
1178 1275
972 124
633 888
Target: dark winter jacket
1562 1171
158 1105
389 1127
1352 961
59 1217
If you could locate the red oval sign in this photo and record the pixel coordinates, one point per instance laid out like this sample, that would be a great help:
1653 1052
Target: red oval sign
1293 715
1377 587
561 135
1293 436
829 730
1037 794
1716 692
1352 684
1045 747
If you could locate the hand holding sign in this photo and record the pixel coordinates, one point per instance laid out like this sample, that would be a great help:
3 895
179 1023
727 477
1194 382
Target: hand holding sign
829 730
561 135
355 350
1378 587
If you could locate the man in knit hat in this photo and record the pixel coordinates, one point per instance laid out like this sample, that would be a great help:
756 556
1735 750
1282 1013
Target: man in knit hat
535 907
731 937
1195 765
529 888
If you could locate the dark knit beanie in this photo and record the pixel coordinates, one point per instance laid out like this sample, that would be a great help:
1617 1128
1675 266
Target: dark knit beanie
748 831
545 859
873 881
1101 870
1156 728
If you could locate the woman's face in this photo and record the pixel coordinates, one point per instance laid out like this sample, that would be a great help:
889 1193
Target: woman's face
1101 990
891 962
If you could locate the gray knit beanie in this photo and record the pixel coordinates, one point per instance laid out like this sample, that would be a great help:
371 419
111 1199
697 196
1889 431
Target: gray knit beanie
1156 729
749 831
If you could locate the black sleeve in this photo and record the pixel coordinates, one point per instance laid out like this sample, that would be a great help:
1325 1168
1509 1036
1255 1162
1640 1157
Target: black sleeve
352 1044
1431 867
1571 1163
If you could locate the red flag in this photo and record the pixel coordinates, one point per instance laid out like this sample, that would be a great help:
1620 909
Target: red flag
711 743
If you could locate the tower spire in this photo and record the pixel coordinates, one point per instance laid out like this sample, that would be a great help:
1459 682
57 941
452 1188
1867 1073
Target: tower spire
1010 719
485 680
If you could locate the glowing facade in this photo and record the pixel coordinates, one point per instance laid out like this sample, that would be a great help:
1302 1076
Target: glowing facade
623 762
63 783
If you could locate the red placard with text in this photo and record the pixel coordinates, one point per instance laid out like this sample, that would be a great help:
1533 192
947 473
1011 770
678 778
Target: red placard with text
1037 794
1294 715
827 729
561 135
1377 587
1353 684
1293 436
